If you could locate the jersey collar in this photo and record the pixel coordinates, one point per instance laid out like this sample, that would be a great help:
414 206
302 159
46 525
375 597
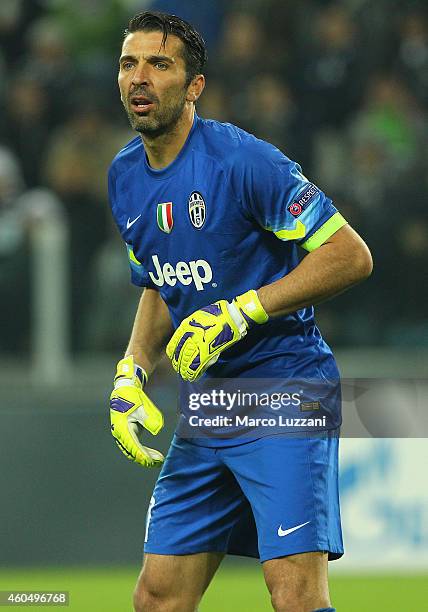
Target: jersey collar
176 163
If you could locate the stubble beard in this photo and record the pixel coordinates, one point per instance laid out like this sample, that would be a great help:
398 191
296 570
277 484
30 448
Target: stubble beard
161 120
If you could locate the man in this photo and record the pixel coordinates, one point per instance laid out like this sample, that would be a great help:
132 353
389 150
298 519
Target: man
212 219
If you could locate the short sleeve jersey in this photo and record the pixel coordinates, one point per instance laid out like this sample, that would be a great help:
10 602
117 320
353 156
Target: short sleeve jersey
227 215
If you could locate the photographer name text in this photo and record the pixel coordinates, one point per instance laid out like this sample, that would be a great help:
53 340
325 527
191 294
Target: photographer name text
247 421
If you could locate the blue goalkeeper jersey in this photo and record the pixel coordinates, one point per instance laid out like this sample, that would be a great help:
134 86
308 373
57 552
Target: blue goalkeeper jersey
227 215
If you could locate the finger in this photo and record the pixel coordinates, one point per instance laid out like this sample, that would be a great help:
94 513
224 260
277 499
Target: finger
133 454
148 415
170 347
193 375
147 452
156 455
145 459
126 435
181 348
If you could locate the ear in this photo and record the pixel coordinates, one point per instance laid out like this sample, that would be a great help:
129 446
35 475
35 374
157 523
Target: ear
195 88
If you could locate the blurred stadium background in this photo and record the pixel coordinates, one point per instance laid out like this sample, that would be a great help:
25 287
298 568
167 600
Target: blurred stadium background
342 87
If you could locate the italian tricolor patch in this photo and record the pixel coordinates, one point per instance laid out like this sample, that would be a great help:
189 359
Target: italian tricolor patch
164 216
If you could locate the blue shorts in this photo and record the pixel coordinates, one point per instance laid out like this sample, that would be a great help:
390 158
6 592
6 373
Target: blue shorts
267 498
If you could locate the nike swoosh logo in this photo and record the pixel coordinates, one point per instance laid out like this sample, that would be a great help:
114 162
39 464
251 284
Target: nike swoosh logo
130 223
283 532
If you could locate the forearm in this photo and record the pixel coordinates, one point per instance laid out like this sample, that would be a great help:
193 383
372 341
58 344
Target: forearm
151 330
341 262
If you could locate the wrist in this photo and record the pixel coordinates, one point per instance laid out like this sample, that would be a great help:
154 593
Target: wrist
130 372
237 317
251 309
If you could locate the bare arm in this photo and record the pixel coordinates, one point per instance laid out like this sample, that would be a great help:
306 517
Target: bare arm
342 261
151 330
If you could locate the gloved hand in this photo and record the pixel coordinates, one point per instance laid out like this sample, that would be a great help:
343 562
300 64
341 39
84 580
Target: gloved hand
199 339
130 411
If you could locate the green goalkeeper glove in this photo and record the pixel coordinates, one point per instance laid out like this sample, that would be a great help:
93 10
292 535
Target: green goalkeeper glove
199 339
130 411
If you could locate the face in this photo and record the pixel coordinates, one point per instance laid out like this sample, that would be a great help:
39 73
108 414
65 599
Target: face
152 82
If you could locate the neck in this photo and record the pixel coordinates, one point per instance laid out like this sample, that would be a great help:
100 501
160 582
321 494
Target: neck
162 150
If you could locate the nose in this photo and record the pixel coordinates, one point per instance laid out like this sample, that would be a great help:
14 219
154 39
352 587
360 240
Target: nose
140 75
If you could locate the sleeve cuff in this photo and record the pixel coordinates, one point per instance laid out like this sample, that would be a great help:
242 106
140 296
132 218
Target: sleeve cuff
322 234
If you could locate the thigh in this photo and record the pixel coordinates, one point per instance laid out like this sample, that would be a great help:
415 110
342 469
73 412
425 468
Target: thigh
181 577
292 486
196 504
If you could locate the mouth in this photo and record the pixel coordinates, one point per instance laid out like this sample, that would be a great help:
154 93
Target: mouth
141 104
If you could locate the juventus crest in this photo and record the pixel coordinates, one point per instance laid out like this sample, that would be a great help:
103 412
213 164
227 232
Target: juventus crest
197 209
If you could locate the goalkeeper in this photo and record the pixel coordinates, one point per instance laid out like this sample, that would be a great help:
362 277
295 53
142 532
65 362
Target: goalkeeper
213 220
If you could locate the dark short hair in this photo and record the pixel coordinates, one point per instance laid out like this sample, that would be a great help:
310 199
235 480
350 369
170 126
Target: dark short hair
195 53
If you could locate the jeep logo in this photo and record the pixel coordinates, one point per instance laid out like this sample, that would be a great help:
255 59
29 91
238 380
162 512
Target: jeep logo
198 272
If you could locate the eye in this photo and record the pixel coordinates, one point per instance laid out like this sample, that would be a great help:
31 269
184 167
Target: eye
161 65
127 65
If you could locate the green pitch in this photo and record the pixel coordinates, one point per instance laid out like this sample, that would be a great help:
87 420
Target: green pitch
235 589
